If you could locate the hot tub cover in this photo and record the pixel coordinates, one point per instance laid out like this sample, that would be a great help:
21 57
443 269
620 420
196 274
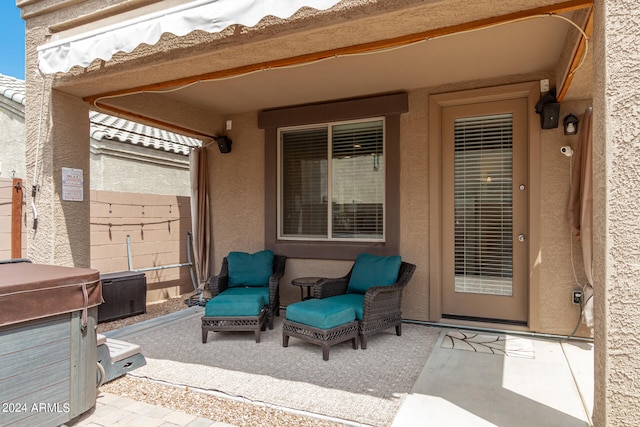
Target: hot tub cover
33 291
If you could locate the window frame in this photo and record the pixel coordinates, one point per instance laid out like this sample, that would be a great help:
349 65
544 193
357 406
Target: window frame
390 107
329 236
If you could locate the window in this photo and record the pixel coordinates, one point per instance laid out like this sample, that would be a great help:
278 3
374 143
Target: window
330 202
341 162
483 207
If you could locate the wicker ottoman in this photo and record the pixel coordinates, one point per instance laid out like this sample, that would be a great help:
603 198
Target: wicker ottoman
234 313
320 322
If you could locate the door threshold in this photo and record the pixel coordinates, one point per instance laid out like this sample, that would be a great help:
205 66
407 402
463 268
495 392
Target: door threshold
481 324
484 320
494 328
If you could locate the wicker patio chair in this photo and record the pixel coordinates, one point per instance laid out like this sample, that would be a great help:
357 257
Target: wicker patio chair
382 304
220 283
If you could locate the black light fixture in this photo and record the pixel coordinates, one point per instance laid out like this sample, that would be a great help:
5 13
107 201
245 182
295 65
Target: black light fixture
224 143
570 124
549 109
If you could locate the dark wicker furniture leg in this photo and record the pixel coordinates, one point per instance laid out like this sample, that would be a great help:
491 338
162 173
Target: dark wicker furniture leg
240 323
322 337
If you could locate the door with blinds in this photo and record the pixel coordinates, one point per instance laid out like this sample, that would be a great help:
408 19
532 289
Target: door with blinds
484 214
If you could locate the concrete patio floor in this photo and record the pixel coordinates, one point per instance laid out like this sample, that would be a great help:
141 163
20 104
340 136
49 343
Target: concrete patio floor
553 386
465 388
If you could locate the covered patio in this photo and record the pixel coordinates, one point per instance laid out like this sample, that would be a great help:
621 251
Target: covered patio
529 381
305 74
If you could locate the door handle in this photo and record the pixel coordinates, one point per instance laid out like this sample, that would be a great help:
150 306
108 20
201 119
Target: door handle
522 237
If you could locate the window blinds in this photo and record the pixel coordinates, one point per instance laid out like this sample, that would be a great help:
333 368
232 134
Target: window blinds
304 183
353 180
358 180
483 204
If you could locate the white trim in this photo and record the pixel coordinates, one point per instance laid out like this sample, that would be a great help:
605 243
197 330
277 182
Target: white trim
211 16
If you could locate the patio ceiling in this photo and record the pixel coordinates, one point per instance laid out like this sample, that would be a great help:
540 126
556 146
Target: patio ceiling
484 54
506 51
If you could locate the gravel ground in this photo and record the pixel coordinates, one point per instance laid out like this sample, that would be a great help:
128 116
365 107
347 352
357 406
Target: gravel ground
192 402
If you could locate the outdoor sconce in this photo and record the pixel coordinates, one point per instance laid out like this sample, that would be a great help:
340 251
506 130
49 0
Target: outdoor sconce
549 109
224 143
570 124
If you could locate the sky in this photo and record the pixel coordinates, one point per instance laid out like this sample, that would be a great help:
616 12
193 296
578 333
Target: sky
12 40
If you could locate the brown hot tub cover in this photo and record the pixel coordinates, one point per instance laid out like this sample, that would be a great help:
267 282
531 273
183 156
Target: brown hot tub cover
32 291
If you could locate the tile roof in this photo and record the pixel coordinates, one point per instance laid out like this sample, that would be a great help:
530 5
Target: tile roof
12 88
104 126
117 129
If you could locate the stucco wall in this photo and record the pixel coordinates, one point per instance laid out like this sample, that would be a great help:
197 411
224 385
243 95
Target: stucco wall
616 212
117 166
65 147
615 157
557 313
414 203
12 139
237 189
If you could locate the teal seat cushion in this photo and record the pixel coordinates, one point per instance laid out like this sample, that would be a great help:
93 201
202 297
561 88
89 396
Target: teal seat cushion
355 301
320 313
234 305
262 291
372 270
250 269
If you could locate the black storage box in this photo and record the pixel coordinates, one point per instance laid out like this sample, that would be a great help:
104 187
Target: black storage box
124 293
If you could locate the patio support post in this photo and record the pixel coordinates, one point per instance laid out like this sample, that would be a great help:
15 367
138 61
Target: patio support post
616 255
57 137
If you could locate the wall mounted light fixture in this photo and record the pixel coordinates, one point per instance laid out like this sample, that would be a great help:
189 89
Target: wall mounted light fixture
224 143
570 124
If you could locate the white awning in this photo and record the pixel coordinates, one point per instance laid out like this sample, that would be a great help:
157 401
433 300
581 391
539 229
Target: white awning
211 16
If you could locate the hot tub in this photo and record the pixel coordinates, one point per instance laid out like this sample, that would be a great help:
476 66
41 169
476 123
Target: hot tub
48 361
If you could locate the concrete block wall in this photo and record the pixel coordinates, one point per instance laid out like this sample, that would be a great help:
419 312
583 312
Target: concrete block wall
157 227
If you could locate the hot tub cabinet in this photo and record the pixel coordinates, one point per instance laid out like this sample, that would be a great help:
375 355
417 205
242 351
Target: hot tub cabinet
48 360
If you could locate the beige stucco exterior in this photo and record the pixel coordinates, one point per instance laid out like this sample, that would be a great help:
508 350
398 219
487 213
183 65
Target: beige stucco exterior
616 211
237 178
123 177
132 169
12 137
242 172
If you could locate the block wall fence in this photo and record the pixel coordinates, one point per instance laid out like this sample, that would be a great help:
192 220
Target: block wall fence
157 226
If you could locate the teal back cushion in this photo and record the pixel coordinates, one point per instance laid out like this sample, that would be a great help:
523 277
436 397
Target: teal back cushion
372 270
250 269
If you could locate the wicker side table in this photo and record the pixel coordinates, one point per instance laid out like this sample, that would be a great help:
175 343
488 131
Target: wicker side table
305 282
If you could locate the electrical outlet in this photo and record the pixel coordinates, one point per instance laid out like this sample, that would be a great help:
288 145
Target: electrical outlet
576 297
